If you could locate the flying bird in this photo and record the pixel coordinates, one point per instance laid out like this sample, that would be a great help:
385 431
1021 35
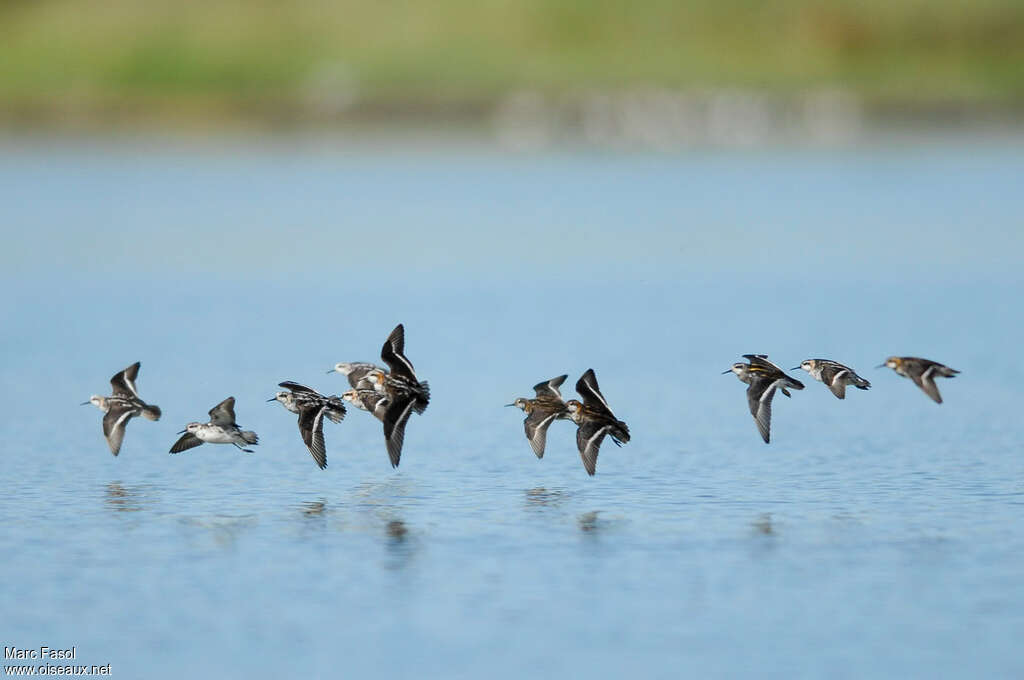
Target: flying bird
122 405
547 407
595 420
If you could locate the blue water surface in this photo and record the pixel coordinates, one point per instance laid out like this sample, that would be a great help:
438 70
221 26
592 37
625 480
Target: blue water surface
879 536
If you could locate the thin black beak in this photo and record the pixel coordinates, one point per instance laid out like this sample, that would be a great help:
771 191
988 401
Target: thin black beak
331 371
505 404
183 432
880 366
728 371
272 399
796 368
85 403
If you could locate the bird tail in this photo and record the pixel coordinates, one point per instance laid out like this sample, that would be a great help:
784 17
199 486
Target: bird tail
250 437
335 410
622 433
423 398
151 412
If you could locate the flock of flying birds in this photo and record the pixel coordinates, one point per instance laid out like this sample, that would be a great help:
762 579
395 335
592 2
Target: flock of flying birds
393 395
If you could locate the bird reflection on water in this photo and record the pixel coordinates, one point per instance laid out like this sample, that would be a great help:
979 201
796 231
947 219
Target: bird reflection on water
125 499
542 497
400 545
314 508
589 523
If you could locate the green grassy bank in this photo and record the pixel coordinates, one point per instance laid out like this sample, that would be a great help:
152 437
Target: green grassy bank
262 58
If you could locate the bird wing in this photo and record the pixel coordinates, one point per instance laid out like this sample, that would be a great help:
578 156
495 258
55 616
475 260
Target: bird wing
591 393
114 422
311 427
759 398
358 372
833 375
838 384
536 426
926 382
589 436
296 387
395 416
550 387
393 354
187 441
223 413
123 382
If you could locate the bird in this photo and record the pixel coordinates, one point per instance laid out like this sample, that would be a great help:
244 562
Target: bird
221 429
312 407
922 371
401 381
595 420
763 378
547 407
835 375
367 400
355 371
122 405
405 393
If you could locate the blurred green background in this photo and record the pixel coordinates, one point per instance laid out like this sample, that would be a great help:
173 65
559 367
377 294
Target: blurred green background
265 61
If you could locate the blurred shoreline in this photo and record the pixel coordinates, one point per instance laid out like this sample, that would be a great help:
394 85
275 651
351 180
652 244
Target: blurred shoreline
647 118
656 74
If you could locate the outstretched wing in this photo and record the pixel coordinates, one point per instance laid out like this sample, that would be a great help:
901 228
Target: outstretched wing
834 375
536 426
588 439
187 441
296 387
396 415
223 413
393 354
591 393
123 383
114 422
311 427
760 361
759 398
926 381
550 388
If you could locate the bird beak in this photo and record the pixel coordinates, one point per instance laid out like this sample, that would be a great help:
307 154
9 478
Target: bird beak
272 399
85 403
331 371
505 404
880 366
728 371
183 432
795 368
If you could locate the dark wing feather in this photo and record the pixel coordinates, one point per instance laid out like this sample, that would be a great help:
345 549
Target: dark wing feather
759 398
550 387
393 354
838 387
187 441
223 413
591 393
123 383
588 439
927 383
395 417
536 426
296 387
311 427
114 422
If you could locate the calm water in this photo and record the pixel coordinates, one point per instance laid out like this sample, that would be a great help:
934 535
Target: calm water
878 536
